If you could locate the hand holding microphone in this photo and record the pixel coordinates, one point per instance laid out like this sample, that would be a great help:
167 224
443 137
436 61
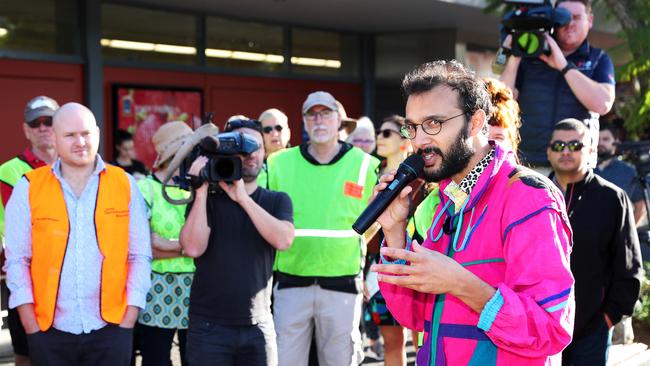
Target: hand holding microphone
390 205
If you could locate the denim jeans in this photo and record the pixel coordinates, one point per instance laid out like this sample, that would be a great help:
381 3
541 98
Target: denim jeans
209 343
590 350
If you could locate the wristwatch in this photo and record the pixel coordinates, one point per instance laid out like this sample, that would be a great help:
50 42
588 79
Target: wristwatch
569 66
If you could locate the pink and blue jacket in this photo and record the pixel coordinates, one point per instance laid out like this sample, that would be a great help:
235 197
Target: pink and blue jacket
513 233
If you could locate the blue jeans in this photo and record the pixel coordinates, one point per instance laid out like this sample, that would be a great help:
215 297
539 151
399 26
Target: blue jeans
590 350
209 343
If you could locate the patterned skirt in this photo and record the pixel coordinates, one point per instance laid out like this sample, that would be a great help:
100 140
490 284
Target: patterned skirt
168 301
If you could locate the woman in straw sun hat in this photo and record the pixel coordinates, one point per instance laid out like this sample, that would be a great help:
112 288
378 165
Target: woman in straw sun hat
167 306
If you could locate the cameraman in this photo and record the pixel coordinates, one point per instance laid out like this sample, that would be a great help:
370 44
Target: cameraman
574 80
233 234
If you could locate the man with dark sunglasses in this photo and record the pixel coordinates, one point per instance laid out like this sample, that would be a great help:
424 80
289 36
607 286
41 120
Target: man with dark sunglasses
606 259
41 151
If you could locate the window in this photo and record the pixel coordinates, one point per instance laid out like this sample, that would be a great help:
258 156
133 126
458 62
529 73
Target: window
43 26
140 34
325 53
250 45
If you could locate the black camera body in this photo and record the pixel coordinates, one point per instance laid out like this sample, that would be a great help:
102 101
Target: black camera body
223 164
529 23
636 153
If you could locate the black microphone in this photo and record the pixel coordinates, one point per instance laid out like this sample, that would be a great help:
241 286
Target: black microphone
406 173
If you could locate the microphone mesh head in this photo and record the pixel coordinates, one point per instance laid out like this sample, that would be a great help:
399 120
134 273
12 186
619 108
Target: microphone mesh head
415 163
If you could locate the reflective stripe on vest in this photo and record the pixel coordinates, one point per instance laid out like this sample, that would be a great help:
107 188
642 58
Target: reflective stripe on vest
326 233
363 173
363 170
326 199
50 233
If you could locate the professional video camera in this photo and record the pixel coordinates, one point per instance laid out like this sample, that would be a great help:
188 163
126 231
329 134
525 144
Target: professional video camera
223 163
528 23
221 149
636 153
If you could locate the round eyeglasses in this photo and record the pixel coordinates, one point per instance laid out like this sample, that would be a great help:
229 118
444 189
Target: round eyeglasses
429 126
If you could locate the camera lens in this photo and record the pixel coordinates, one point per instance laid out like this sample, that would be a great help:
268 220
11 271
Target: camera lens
530 43
224 168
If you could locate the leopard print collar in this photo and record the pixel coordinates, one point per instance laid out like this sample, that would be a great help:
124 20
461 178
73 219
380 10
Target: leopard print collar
468 183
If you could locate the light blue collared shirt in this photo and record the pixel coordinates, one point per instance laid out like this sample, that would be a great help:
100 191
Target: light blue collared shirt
77 306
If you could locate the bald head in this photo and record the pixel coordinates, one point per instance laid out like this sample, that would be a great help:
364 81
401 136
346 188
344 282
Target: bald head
76 134
71 111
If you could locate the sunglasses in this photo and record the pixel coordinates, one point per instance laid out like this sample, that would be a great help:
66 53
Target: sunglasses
47 121
268 129
573 145
387 133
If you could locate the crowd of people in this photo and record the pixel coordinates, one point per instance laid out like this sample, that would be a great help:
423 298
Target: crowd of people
491 257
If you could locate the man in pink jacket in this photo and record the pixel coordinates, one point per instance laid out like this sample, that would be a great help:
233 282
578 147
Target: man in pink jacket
491 284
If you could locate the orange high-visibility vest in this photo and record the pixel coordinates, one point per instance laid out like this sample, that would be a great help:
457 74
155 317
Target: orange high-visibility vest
50 230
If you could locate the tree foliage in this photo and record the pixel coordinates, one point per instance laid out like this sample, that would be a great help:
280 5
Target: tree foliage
634 17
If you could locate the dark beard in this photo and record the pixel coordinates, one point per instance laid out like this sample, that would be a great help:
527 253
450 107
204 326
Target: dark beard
250 175
604 156
454 161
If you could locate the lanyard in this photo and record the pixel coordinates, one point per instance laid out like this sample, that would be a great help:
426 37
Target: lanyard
456 235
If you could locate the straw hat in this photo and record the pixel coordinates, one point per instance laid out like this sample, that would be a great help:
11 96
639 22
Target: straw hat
349 124
168 139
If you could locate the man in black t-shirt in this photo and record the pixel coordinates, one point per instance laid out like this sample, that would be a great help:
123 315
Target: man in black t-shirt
233 234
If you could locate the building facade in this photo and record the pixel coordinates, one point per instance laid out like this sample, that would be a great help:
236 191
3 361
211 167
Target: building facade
242 56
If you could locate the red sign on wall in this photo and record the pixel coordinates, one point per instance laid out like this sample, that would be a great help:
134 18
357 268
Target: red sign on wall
141 110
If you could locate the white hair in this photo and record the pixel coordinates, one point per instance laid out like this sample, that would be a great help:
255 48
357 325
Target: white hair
274 113
364 124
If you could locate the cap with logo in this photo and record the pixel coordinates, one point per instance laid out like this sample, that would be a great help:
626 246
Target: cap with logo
40 106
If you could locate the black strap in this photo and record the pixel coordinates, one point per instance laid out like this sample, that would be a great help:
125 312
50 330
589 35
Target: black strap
569 66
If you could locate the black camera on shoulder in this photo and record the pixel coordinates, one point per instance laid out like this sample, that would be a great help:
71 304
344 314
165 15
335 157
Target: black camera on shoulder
528 23
223 164
222 151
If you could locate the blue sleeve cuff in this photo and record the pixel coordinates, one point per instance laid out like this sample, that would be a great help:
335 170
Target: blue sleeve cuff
398 261
490 311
